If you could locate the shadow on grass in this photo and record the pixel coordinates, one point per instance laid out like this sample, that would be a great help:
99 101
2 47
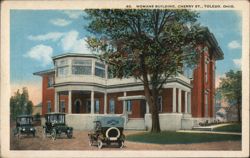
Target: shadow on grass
168 137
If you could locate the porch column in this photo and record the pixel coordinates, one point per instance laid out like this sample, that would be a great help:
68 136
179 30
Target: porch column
56 102
124 103
105 103
70 102
92 102
174 99
189 102
186 102
147 107
179 100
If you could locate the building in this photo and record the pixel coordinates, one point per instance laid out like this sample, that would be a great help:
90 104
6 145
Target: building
79 85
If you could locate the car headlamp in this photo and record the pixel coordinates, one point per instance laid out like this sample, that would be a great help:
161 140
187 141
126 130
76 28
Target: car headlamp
23 129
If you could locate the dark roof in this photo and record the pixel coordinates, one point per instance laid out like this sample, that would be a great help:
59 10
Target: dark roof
24 116
55 113
40 73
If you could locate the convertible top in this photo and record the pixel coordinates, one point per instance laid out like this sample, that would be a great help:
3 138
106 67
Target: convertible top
110 121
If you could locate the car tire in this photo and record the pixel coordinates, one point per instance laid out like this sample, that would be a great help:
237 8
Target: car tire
69 135
121 144
99 143
53 134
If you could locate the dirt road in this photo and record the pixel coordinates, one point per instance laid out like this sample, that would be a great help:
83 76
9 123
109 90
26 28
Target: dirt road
80 142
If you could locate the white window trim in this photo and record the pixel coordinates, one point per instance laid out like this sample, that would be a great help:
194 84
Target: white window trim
48 102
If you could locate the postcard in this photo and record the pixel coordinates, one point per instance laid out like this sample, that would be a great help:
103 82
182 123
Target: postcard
124 78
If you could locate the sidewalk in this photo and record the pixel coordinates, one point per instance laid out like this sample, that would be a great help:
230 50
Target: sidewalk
209 128
209 132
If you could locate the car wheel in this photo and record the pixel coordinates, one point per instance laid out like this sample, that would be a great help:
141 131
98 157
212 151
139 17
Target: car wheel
121 144
69 135
44 133
53 134
99 143
90 142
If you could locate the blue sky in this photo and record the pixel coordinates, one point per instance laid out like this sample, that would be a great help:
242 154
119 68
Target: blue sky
38 35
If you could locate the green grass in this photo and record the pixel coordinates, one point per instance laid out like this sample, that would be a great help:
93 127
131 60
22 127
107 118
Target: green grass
236 127
180 138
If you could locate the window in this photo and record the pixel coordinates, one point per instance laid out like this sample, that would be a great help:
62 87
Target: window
50 81
159 103
62 106
129 106
81 67
206 69
97 106
99 69
111 106
62 68
88 106
48 106
206 104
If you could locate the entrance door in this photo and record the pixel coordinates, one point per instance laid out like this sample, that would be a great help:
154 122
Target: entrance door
143 108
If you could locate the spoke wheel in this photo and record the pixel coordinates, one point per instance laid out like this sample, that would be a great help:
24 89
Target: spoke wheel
121 144
53 134
99 143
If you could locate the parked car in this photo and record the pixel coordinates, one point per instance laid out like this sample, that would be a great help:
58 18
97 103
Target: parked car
55 125
107 130
24 126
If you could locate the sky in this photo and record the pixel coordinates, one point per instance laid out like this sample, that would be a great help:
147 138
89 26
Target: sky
38 35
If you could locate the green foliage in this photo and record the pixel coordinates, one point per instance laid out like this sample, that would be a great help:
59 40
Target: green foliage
230 88
150 45
180 138
20 104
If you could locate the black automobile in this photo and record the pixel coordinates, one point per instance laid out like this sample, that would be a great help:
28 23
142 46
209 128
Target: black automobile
107 130
55 126
24 126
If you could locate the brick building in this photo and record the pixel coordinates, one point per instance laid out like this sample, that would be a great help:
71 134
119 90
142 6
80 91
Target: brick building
79 85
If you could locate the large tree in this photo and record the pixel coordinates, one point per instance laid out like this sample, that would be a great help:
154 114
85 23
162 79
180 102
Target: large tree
20 104
150 45
230 88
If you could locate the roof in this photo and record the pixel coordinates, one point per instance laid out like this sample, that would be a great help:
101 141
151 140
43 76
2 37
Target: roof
74 55
24 116
219 55
55 113
40 73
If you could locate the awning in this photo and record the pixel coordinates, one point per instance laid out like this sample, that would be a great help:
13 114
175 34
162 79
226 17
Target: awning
135 97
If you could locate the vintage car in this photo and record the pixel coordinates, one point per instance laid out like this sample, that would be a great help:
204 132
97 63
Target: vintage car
107 130
55 125
24 126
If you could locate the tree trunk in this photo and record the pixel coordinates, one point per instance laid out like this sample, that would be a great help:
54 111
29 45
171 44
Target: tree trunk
152 102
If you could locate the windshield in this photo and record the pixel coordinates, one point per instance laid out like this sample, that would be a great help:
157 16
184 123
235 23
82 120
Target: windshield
56 118
24 120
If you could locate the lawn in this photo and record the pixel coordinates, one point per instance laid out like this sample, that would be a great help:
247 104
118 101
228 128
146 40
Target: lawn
235 127
168 137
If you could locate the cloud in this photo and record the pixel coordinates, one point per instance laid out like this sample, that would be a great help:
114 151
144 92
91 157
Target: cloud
72 43
234 45
237 62
73 14
60 22
54 36
41 53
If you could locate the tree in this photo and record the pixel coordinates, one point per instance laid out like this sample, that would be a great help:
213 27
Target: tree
150 45
230 88
20 104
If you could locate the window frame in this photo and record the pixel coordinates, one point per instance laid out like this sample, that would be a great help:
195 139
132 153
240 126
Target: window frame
129 105
83 65
159 110
100 68
113 100
48 106
62 109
